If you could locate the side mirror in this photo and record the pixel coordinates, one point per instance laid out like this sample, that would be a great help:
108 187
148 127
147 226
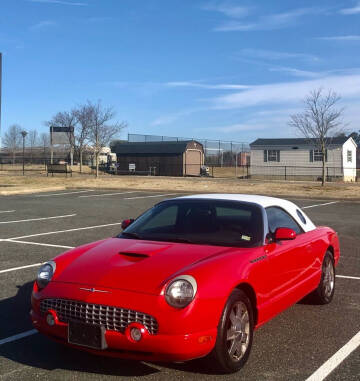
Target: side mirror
126 223
282 234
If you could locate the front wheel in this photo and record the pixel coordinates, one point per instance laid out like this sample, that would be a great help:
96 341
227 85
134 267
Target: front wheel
326 288
235 334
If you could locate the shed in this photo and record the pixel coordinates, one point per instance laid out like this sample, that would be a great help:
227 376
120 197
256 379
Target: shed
302 159
165 158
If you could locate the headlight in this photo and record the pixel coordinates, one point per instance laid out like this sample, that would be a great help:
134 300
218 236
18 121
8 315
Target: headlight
181 291
45 274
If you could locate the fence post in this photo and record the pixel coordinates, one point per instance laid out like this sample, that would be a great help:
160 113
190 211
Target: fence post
236 165
285 173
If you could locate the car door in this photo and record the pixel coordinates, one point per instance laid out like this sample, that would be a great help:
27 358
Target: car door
287 258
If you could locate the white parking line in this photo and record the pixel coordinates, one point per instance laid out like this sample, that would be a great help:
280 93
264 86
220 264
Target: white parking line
348 277
155 195
326 203
64 231
19 268
7 211
38 244
61 194
37 219
18 336
108 194
336 359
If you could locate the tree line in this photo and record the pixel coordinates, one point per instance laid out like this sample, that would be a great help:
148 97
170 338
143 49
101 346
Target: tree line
94 127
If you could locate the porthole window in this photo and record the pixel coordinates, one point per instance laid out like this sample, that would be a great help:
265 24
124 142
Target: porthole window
301 216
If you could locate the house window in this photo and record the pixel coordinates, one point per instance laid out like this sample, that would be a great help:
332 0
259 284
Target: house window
316 155
271 155
349 156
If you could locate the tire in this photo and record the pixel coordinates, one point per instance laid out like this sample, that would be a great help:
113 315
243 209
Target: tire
326 288
235 334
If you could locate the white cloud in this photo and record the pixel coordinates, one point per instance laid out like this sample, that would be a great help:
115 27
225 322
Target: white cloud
288 92
171 118
351 11
165 119
298 73
238 127
43 24
61 2
228 9
206 86
270 22
275 55
353 37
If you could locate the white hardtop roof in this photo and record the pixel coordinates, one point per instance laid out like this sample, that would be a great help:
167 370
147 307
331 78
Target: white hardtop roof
264 201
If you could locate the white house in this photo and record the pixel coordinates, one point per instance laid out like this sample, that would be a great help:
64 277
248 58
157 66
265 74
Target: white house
302 159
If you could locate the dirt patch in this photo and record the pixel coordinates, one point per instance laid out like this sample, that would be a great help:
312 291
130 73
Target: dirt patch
34 184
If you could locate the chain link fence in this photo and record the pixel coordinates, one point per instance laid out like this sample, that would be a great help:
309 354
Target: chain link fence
217 152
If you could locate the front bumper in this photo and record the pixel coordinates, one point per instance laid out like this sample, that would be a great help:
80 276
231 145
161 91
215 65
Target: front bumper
180 337
152 347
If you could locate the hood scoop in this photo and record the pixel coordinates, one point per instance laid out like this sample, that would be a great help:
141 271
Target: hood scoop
133 257
140 251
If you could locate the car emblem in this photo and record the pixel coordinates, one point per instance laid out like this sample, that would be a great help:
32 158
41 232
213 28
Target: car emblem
92 289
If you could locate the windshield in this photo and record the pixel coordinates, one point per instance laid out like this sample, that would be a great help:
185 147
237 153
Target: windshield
210 222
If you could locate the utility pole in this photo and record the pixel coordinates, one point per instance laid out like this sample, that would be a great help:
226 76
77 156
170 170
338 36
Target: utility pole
23 133
0 92
51 145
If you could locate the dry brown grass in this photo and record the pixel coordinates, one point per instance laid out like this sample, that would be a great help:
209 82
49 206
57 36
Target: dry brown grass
228 171
31 184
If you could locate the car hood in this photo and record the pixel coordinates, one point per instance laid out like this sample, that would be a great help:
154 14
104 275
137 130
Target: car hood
134 265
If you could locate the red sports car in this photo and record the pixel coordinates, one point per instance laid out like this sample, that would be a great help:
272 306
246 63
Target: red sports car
191 277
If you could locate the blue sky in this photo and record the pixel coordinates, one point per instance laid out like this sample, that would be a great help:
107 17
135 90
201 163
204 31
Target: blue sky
230 70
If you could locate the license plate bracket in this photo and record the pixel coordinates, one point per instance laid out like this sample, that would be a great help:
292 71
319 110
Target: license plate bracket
86 335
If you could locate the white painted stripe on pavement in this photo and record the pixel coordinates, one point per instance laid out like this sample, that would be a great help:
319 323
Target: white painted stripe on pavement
7 211
326 203
107 194
37 219
38 244
19 268
61 194
155 195
65 231
18 336
336 359
348 277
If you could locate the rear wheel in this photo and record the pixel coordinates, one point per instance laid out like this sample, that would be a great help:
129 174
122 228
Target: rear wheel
235 334
326 288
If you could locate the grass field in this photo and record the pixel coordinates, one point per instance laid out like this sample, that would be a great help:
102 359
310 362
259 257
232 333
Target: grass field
38 183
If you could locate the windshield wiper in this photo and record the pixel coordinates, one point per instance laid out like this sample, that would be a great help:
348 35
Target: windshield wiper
171 239
130 235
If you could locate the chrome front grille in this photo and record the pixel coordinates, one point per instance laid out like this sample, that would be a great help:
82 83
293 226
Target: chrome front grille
112 318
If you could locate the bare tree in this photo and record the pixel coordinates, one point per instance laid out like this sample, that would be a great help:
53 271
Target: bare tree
320 120
12 139
102 131
32 142
45 143
83 115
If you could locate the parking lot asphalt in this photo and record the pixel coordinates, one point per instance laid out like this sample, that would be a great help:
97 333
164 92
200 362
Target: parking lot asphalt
294 345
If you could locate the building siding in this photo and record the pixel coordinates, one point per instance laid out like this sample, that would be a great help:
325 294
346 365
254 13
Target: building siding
297 162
